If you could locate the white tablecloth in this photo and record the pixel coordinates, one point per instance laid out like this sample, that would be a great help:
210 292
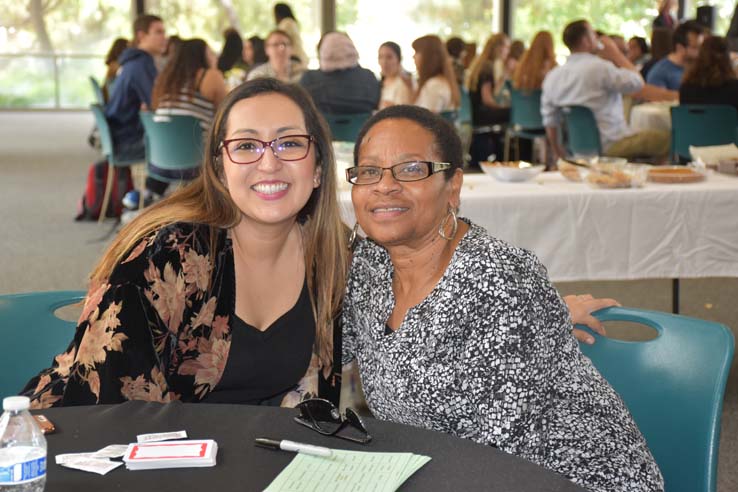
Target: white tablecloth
651 116
582 233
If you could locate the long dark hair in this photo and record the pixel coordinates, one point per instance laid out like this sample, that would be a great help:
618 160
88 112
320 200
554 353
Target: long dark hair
232 50
181 71
257 44
283 11
395 49
712 67
118 47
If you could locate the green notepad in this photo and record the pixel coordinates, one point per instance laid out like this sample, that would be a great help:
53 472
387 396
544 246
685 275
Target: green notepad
354 471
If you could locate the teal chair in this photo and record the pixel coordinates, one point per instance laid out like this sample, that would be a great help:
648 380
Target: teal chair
32 335
701 125
173 143
464 124
673 386
582 132
97 90
346 127
108 150
525 118
465 110
452 116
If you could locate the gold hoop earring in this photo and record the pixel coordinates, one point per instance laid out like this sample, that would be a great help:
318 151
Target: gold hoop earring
352 238
455 226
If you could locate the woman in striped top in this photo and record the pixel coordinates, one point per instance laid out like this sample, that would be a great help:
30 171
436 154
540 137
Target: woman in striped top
189 85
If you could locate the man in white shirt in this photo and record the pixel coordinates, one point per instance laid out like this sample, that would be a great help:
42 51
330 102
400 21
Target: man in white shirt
597 82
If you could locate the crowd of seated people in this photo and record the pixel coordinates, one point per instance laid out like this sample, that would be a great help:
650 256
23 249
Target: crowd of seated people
628 73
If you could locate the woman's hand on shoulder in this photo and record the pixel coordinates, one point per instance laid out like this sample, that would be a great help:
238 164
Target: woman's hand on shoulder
581 308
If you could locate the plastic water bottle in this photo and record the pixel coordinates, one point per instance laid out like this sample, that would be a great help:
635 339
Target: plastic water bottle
22 448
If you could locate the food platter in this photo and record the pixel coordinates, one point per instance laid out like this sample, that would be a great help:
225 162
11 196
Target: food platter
675 174
617 175
511 171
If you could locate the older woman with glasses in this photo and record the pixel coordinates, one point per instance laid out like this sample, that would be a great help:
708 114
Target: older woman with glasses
458 332
226 291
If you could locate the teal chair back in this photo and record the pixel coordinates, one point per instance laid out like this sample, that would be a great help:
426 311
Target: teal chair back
582 131
525 109
346 127
32 335
97 90
673 386
701 125
106 138
465 110
452 116
173 142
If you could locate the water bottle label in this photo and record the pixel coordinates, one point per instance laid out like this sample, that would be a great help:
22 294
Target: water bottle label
22 472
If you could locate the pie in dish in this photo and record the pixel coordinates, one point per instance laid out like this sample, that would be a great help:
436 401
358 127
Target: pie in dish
675 174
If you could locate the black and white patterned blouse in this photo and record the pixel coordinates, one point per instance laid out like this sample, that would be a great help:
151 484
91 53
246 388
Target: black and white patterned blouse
489 356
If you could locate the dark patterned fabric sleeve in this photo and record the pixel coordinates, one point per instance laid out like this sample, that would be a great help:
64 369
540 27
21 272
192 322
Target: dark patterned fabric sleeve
348 328
528 410
123 344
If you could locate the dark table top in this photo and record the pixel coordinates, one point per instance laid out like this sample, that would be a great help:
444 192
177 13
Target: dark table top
456 464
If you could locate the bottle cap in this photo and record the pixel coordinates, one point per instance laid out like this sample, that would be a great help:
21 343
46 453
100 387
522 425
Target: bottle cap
16 403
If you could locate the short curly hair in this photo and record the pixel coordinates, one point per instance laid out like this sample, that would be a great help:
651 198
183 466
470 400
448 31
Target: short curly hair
447 141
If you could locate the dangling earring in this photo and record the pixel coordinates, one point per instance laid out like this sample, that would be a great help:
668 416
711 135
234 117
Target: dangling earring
442 228
352 238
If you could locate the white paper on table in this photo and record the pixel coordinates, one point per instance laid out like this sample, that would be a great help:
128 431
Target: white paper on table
67 457
112 451
162 436
93 465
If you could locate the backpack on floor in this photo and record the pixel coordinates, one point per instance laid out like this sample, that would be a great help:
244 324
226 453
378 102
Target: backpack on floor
91 202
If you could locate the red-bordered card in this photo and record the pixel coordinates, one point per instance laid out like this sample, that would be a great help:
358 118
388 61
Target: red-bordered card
172 454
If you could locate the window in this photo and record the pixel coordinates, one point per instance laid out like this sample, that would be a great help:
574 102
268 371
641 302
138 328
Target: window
625 17
370 23
723 14
50 48
207 19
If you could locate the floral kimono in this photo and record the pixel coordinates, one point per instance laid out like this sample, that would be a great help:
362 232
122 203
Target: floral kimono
160 329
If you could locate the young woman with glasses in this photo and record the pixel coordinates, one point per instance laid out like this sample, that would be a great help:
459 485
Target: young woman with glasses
226 291
280 64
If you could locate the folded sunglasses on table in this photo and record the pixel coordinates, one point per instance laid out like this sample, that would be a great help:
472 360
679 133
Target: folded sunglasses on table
322 416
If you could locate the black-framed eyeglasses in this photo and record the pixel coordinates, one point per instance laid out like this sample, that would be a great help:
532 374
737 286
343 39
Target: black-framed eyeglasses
322 416
250 150
404 171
